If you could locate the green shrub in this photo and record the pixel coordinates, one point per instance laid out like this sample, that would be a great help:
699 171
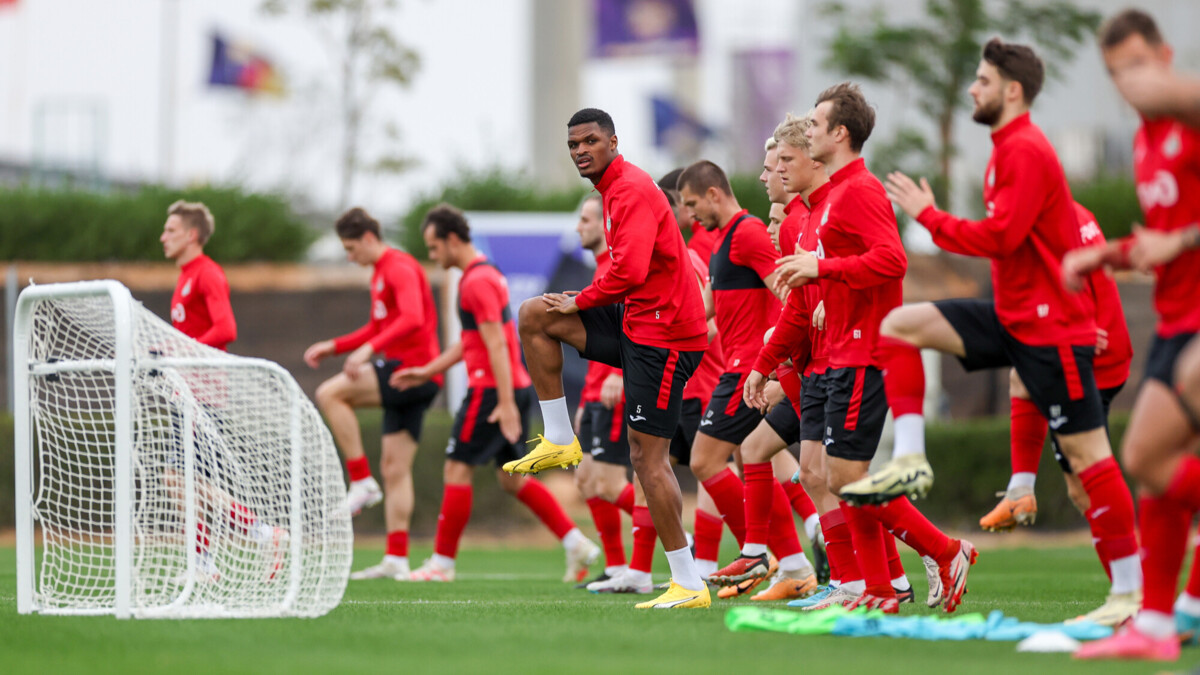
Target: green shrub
751 194
83 226
1113 200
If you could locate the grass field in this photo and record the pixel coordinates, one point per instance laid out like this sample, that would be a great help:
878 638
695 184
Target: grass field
509 613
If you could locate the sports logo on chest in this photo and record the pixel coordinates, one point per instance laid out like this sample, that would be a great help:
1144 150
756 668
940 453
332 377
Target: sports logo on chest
1162 190
379 286
1173 144
187 289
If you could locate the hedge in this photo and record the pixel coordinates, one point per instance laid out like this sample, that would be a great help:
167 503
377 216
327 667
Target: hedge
1113 200
83 226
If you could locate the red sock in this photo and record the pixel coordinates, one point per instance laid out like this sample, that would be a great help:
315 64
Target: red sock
625 499
727 493
456 511
1111 514
241 517
1028 436
1165 525
759 501
397 543
708 529
607 518
201 537
1193 584
903 519
358 468
903 376
1185 484
783 539
895 567
802 504
839 546
644 536
543 504
868 536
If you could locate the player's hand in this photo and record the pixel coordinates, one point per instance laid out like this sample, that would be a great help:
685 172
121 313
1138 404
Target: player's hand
1150 88
774 395
752 391
563 303
795 270
406 378
318 351
910 197
818 317
509 418
358 358
1101 340
612 392
1152 248
1078 263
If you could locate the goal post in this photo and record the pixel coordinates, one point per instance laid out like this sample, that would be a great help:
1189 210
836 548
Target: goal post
165 478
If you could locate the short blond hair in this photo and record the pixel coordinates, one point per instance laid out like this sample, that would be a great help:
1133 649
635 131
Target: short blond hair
791 131
771 142
196 216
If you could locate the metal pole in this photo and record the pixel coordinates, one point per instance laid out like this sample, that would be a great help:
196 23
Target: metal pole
10 313
168 57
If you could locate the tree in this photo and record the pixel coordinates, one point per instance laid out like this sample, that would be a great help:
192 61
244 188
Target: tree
937 55
367 56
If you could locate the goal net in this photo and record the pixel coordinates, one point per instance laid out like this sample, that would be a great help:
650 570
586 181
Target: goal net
158 477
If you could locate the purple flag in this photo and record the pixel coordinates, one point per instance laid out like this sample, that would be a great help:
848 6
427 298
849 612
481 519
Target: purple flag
642 27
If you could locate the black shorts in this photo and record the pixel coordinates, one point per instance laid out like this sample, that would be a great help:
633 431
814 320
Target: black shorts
475 440
784 421
403 409
812 407
685 431
1164 352
1058 377
855 410
654 377
207 426
602 432
1106 399
728 418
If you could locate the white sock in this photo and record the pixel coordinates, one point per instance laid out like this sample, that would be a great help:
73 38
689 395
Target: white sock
1188 604
638 577
1022 479
261 532
858 587
707 568
1155 624
557 420
614 570
573 538
901 583
442 561
796 562
683 569
909 431
749 549
812 526
1126 574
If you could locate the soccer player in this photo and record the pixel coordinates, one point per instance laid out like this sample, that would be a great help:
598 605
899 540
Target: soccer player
1163 429
600 426
403 328
859 264
1034 325
493 418
1029 426
201 310
647 317
699 239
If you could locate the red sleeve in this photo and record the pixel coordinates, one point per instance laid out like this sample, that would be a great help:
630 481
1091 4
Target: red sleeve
405 287
216 299
354 340
631 246
481 298
752 248
1020 185
873 223
789 337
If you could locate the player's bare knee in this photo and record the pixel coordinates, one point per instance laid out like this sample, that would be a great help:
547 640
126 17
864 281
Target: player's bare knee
897 324
1016 388
812 480
533 316
512 484
326 394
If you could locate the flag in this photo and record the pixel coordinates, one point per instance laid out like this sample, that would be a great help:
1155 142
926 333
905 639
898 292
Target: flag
763 82
674 125
641 27
235 65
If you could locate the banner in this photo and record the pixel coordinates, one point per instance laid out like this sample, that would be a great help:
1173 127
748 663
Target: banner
235 65
762 94
645 27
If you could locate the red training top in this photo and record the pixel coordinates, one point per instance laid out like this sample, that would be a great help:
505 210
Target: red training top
818 358
200 304
1111 366
403 324
650 274
1030 226
597 372
861 264
702 382
791 338
483 297
1166 164
743 256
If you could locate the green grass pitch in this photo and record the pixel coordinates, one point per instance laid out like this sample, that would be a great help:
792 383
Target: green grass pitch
510 613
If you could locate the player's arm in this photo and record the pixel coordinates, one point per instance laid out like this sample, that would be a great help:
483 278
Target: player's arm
752 247
789 336
710 303
1143 250
405 287
631 246
506 412
216 299
1157 92
612 391
405 378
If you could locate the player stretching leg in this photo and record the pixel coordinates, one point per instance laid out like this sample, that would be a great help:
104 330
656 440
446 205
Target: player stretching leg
647 317
495 414
403 328
1162 434
859 264
1034 325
